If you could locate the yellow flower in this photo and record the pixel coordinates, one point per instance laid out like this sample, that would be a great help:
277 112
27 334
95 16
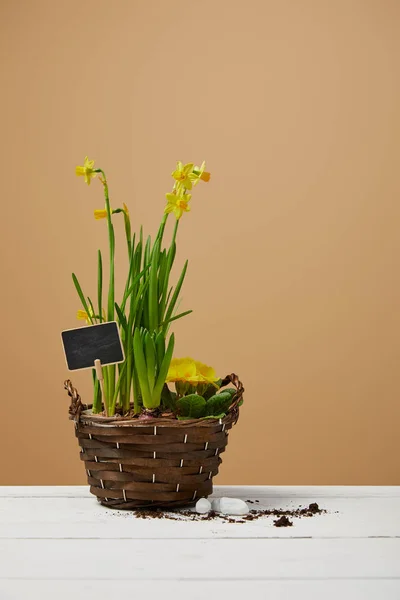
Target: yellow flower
181 369
86 171
83 316
100 213
199 173
205 373
126 211
191 371
178 204
182 175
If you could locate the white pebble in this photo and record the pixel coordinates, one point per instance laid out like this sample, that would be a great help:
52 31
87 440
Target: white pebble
230 506
203 506
215 504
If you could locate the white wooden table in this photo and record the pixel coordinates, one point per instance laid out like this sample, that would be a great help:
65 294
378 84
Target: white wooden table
59 543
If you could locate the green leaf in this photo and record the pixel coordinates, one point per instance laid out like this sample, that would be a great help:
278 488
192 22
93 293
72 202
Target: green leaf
183 314
209 391
100 284
170 261
81 296
150 350
97 407
160 347
221 416
219 403
153 288
162 374
192 406
140 364
231 391
168 398
131 289
121 379
130 271
121 318
147 250
175 295
162 272
138 255
93 314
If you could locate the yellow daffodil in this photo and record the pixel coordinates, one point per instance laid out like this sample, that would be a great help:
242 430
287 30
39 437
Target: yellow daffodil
83 316
178 204
182 175
198 173
190 371
100 213
126 210
86 171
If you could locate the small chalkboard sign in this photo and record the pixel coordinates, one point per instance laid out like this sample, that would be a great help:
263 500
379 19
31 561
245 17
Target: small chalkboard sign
86 345
93 347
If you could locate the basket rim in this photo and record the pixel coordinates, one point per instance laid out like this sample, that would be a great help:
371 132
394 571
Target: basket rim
80 412
86 417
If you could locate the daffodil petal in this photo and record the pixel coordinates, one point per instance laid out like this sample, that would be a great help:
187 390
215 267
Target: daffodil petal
188 168
100 214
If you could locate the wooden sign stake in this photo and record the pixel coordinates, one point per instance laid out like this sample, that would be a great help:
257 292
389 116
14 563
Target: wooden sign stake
99 373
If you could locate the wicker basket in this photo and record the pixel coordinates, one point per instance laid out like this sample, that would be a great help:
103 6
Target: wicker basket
133 464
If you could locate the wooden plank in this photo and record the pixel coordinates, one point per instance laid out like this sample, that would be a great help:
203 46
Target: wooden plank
255 491
330 589
65 517
194 560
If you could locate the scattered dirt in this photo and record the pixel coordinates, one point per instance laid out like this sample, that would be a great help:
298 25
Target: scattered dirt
308 511
282 515
283 521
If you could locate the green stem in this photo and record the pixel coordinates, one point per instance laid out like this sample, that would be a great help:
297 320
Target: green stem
128 377
128 232
167 271
111 240
97 394
100 285
111 288
161 229
136 393
175 231
105 375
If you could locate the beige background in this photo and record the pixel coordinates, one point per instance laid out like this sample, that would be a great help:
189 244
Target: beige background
294 245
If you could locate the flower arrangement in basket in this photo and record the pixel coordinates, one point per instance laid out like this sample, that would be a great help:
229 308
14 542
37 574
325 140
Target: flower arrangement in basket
157 425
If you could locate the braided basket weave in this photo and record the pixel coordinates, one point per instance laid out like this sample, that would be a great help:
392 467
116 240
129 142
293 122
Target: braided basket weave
132 463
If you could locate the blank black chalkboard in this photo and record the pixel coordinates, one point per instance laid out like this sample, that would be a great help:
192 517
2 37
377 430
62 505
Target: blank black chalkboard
84 345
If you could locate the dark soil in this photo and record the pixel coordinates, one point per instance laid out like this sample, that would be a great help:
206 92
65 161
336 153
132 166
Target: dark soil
282 515
309 511
283 522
